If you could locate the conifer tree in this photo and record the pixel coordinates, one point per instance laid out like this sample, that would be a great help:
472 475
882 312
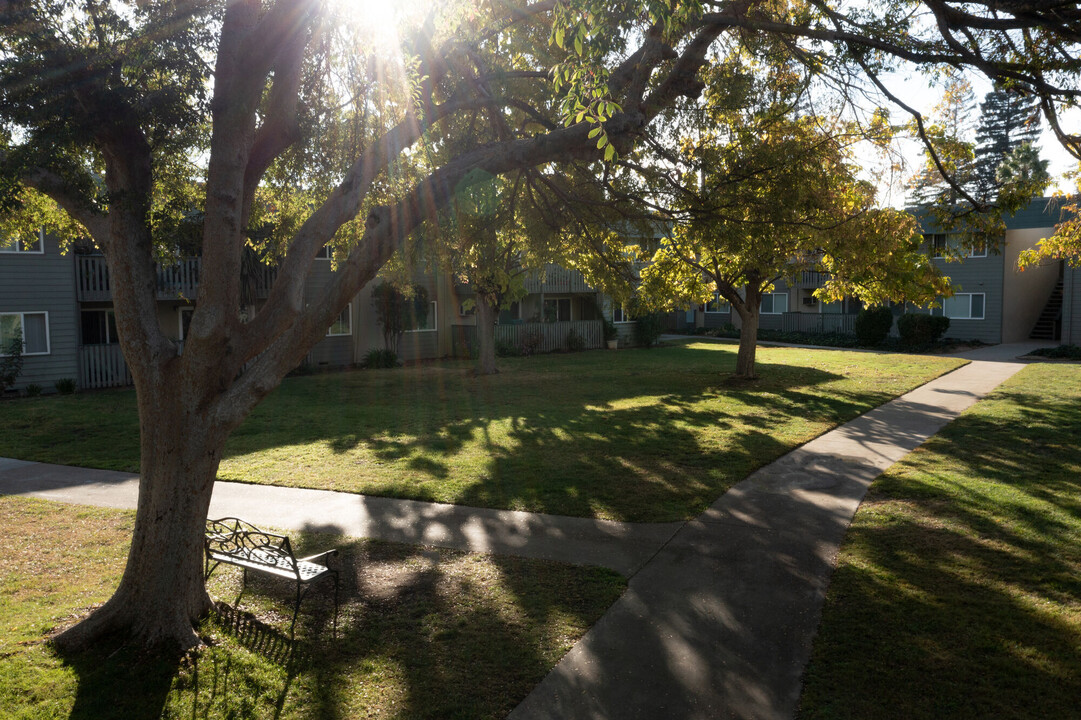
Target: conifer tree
1008 120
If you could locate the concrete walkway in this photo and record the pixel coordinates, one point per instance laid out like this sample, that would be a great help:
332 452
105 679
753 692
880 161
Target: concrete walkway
720 611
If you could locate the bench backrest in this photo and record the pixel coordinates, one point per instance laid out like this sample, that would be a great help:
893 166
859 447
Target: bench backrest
235 538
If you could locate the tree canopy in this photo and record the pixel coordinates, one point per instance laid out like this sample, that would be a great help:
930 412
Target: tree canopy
291 124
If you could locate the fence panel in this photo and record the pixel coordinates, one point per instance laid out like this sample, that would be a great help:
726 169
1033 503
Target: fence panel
102 366
544 337
819 323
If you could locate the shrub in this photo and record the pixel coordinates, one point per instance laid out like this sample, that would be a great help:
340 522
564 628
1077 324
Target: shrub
531 342
610 331
381 358
1062 352
575 342
873 325
11 361
503 349
65 386
33 390
917 329
648 329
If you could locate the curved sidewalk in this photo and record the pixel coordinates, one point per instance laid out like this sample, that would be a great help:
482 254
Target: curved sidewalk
719 623
720 612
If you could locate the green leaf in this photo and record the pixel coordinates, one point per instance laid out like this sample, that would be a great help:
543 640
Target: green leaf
609 153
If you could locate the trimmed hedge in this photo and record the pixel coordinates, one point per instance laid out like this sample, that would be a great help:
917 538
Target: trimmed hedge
873 325
917 329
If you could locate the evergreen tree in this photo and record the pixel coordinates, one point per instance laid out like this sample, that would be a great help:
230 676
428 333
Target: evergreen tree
1008 120
950 135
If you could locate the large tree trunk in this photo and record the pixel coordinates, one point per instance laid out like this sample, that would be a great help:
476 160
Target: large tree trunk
486 314
162 593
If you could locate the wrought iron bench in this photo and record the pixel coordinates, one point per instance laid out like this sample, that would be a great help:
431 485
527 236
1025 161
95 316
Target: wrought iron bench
232 541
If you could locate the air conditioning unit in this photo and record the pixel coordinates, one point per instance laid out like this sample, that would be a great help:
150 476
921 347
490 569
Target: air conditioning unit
810 300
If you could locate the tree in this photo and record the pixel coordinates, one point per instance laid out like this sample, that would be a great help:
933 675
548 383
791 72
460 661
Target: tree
1008 120
397 312
108 110
773 196
950 152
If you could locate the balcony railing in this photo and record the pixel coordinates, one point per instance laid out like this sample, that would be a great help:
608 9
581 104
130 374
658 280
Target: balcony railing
556 279
179 281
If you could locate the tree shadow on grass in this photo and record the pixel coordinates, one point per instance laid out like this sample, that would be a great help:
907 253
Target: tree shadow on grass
961 576
422 633
636 448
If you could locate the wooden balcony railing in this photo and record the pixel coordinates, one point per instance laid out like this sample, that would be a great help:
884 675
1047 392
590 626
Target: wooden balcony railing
556 279
174 282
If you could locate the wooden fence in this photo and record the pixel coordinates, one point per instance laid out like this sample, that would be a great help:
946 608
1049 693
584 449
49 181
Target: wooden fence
542 337
102 366
180 280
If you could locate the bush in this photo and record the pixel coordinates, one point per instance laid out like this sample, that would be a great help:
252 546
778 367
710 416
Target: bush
11 361
65 386
33 390
648 329
918 330
575 342
531 342
610 331
1062 352
873 325
503 349
381 358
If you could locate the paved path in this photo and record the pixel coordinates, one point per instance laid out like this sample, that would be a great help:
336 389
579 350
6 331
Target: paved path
720 611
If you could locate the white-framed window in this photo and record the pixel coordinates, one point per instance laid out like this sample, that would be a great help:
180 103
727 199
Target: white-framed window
717 305
945 245
34 328
33 244
964 306
464 311
427 323
325 253
620 314
98 327
344 324
774 303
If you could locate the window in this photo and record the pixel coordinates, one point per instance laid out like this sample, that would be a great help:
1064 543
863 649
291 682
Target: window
416 323
185 320
620 314
34 328
774 303
343 325
30 244
325 253
849 306
964 306
98 327
557 310
717 305
944 245
510 315
464 311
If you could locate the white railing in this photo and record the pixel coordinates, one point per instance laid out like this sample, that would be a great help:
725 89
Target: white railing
173 281
102 366
557 279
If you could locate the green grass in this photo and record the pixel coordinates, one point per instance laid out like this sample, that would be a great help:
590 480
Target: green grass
634 435
423 633
958 589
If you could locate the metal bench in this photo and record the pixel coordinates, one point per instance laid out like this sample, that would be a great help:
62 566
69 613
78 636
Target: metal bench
232 541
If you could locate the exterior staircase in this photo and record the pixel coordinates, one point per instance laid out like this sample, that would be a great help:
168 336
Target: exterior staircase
1049 324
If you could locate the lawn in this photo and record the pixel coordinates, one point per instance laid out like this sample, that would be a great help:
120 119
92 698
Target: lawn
958 589
633 435
423 632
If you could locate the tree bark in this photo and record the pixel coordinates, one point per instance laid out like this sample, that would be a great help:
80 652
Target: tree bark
486 315
162 594
748 333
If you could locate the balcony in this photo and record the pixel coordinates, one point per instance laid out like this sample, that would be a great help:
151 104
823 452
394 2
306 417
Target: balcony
557 280
174 282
